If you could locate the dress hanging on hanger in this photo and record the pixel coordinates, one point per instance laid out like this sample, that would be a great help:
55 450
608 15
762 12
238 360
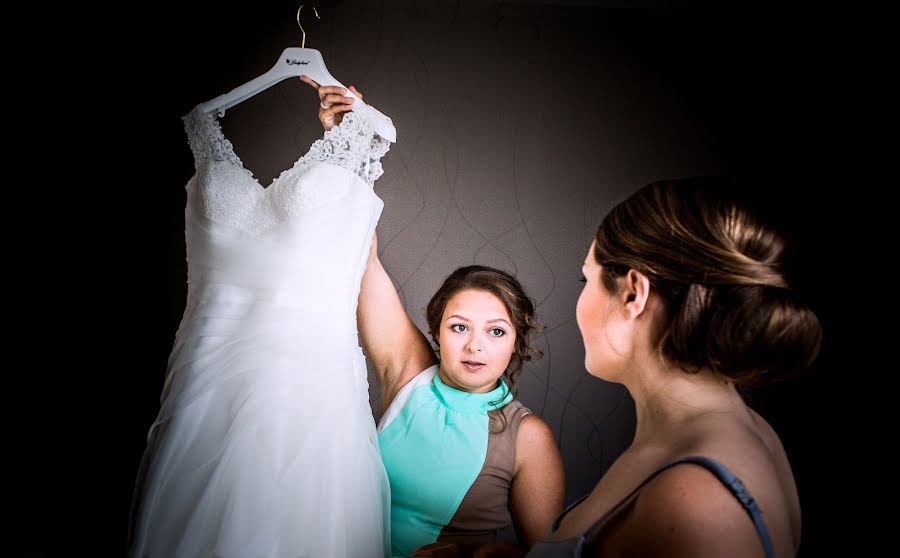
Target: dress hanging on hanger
265 444
295 62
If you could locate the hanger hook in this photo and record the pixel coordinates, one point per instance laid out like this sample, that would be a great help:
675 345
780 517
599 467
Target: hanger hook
303 42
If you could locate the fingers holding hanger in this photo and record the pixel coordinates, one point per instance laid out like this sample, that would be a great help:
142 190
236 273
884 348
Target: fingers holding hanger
322 91
333 115
333 102
331 110
310 81
335 110
333 95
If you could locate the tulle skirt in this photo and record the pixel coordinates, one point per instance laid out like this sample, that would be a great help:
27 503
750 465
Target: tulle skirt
265 444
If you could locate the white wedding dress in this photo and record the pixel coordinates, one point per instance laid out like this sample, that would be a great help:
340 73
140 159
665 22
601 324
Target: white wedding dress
265 445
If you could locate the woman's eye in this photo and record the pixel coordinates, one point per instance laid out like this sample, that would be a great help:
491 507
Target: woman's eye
497 332
458 327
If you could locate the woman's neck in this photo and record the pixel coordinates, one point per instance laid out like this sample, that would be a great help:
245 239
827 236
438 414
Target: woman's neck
668 399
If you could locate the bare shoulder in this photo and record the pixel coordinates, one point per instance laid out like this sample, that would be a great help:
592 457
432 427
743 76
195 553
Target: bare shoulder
534 434
687 511
536 446
767 434
782 500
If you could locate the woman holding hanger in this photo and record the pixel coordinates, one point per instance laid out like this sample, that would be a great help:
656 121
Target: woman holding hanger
462 455
684 303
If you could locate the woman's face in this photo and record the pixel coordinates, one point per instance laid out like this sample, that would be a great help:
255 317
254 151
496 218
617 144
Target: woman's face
477 340
595 313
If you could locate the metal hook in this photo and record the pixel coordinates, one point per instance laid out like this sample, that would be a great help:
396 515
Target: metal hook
303 42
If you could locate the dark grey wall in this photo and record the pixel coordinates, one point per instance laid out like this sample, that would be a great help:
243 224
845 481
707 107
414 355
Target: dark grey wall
519 125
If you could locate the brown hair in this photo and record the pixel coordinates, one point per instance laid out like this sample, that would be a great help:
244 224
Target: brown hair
718 269
510 292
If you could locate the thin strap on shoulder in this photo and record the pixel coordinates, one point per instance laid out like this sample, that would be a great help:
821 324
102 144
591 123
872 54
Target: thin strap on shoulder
737 488
569 508
725 476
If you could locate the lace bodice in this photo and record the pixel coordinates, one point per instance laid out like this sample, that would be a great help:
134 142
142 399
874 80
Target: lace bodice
225 191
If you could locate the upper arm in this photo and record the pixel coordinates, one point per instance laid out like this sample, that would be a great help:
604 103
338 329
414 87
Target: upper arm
538 487
393 343
687 511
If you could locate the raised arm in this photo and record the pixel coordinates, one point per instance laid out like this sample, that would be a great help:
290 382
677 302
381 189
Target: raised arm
397 349
538 487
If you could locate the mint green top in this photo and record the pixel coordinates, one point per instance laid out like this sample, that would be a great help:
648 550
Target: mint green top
433 450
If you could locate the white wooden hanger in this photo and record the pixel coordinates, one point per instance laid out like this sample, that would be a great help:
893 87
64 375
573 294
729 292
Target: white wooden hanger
294 62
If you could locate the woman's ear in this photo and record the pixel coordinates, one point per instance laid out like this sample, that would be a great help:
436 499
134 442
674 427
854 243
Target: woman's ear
635 293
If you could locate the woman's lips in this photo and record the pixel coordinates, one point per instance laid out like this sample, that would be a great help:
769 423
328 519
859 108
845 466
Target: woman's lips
472 365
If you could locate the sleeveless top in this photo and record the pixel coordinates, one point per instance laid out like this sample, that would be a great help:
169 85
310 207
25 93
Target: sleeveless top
575 546
450 459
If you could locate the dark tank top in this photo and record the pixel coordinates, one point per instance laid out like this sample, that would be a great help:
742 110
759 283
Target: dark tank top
575 546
